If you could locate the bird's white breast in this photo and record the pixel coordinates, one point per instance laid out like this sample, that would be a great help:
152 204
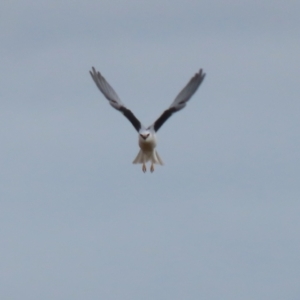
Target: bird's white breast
147 145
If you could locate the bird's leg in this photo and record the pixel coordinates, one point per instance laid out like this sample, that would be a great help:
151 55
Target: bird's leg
144 168
152 168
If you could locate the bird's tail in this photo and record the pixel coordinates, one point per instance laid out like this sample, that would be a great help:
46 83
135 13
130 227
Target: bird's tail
144 157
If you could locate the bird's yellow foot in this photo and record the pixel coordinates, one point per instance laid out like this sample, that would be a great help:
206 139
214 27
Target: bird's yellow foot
144 168
152 168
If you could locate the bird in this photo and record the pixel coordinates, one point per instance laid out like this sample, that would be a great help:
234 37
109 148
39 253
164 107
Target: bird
147 135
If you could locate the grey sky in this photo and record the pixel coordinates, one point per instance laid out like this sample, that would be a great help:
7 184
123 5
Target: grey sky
220 220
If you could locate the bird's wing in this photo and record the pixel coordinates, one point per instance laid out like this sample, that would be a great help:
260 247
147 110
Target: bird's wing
181 99
113 98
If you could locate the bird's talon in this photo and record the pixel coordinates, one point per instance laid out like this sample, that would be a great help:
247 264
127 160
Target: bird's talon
152 168
144 168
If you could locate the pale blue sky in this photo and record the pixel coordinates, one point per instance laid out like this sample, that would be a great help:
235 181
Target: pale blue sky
220 220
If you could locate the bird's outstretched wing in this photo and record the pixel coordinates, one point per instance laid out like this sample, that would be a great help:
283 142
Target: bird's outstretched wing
181 99
113 98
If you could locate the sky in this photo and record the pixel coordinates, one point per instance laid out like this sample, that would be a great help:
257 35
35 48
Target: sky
220 219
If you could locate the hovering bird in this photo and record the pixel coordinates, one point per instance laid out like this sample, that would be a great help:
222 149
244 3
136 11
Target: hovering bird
147 135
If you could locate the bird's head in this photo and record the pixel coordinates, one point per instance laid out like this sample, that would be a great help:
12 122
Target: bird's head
144 134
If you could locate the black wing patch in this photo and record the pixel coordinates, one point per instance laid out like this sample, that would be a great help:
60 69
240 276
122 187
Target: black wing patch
163 118
131 117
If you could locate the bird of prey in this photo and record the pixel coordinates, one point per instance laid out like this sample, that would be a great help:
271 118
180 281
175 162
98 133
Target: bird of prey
147 135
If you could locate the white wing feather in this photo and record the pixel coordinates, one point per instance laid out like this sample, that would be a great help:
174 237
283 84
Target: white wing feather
106 89
114 99
180 101
188 91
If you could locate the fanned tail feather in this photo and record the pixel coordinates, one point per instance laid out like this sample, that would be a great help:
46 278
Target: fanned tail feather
158 159
144 157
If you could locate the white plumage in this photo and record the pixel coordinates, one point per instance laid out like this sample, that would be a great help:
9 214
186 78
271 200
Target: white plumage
147 136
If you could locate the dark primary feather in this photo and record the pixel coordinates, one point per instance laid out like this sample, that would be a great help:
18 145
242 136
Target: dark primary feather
180 101
131 117
163 118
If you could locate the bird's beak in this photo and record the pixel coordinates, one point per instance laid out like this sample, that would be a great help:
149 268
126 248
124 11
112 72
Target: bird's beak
144 136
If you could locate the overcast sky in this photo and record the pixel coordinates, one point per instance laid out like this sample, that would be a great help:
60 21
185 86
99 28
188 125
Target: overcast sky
220 220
